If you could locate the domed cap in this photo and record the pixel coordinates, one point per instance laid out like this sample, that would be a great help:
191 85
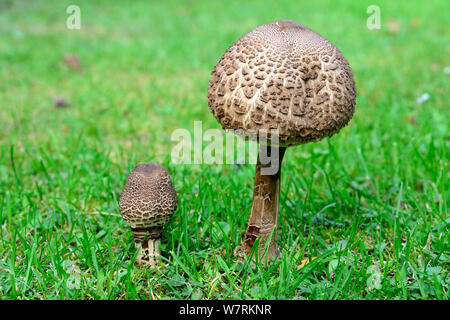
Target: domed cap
148 198
284 76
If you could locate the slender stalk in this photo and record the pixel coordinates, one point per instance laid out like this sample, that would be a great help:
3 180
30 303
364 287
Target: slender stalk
147 242
264 214
149 252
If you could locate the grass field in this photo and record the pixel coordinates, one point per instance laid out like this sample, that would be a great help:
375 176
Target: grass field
367 207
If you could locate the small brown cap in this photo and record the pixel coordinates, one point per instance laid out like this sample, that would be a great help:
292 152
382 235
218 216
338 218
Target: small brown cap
148 199
284 76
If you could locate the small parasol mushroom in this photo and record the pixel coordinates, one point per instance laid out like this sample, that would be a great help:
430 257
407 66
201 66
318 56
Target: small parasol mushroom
282 76
147 203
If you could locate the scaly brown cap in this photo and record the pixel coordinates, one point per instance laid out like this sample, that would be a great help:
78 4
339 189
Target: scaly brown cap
148 200
284 76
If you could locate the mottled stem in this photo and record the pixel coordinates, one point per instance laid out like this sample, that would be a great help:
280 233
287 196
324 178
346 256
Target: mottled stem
148 252
264 213
147 242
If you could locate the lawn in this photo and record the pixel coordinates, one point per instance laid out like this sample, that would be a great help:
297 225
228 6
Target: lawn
363 215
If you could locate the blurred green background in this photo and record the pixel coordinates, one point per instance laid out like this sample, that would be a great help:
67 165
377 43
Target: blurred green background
80 108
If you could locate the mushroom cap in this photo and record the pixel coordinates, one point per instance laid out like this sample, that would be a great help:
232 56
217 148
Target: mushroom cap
283 75
148 198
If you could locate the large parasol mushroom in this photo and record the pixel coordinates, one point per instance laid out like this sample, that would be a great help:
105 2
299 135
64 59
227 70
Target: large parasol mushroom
282 76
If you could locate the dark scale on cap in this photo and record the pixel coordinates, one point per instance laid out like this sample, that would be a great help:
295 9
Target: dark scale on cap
148 199
283 75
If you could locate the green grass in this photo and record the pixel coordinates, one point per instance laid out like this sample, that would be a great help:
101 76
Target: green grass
369 203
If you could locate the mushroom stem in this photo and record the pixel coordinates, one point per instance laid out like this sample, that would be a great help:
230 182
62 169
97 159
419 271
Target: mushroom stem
264 214
147 242
148 252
